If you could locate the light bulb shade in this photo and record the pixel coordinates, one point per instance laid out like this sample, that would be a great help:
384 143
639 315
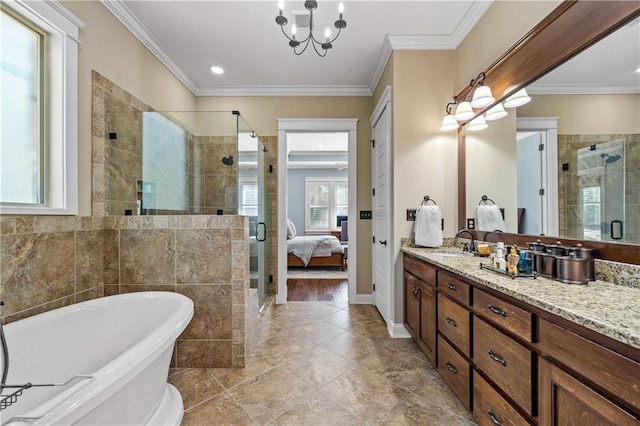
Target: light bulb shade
464 111
495 113
477 123
517 99
449 123
482 97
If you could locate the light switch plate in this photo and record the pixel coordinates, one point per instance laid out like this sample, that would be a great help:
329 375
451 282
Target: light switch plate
411 215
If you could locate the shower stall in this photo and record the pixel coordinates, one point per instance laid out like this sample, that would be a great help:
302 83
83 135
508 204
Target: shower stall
191 163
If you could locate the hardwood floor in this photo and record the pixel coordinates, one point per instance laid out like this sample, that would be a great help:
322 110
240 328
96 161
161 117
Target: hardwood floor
317 290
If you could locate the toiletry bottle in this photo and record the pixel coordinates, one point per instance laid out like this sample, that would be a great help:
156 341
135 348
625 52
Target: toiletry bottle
500 262
512 261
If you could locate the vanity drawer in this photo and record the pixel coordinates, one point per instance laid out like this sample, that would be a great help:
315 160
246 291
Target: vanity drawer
454 287
454 322
505 361
613 372
490 408
420 269
456 371
495 310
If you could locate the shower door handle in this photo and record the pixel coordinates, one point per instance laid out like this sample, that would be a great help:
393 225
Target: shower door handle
616 230
264 231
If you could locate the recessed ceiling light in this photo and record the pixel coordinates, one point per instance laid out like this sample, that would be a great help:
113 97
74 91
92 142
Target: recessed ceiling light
638 70
217 70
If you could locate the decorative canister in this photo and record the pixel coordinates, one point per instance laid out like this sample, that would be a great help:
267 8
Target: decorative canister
537 246
571 269
545 264
585 253
557 249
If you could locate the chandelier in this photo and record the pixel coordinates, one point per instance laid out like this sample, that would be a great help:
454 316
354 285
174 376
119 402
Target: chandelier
299 46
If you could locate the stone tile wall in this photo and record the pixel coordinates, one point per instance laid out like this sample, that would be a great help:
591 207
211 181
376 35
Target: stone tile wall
49 262
203 257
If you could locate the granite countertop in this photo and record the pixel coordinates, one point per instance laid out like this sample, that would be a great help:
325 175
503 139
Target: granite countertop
609 309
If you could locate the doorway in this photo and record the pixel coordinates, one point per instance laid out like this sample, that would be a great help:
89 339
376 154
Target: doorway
290 130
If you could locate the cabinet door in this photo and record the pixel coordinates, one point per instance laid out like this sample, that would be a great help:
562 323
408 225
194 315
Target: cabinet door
566 401
428 322
412 305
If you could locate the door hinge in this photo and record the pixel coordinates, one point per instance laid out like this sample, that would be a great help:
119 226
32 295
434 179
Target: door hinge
373 143
541 191
373 192
374 239
374 287
541 147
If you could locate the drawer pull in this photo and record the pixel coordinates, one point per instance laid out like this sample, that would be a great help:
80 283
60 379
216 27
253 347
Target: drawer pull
451 322
494 419
497 311
452 368
451 287
496 358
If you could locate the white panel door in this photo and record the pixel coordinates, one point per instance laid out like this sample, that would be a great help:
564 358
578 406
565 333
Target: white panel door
382 238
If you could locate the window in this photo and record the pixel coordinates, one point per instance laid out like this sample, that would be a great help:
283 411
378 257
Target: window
591 225
326 198
248 198
38 130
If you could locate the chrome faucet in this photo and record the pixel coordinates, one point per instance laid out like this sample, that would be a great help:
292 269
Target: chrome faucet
472 245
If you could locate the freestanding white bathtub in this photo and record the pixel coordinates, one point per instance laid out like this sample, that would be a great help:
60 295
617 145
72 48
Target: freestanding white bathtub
123 342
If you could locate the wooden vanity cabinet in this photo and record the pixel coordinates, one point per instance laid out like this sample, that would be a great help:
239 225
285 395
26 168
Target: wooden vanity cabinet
420 305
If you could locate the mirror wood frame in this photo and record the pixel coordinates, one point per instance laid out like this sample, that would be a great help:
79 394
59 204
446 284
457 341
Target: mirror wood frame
568 30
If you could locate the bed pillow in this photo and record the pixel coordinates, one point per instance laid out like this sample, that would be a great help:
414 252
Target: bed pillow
291 230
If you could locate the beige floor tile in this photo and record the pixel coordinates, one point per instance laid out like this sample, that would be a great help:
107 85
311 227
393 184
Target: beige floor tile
413 410
396 366
364 394
220 410
196 385
351 346
230 377
433 388
346 319
406 346
317 411
318 332
268 395
283 346
318 310
318 367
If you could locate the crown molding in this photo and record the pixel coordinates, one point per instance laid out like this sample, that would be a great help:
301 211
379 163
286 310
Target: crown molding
124 15
580 89
470 19
286 91
65 12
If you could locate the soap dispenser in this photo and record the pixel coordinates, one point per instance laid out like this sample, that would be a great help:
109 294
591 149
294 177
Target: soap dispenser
500 262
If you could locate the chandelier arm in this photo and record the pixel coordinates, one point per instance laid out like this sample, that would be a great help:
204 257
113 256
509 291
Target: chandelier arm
322 55
334 39
285 33
303 49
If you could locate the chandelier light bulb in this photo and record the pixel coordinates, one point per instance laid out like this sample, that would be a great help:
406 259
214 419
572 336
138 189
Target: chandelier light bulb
281 6
517 99
327 34
464 111
341 8
495 113
477 124
449 123
482 97
294 30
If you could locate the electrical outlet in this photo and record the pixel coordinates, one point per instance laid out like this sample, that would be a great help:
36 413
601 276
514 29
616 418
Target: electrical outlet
366 214
411 215
471 223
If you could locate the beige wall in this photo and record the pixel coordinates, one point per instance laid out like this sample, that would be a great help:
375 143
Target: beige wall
424 158
506 22
587 114
261 112
109 48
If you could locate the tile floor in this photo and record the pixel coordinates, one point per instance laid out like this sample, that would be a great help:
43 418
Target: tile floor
322 363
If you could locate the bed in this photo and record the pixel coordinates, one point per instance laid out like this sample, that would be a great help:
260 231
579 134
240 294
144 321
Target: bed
315 250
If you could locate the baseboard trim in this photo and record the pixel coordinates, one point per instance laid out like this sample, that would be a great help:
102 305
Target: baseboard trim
397 331
364 299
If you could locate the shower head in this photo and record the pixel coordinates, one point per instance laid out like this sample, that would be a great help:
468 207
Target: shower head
610 159
228 160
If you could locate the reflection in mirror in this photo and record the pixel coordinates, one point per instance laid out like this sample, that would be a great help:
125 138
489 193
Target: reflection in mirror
583 183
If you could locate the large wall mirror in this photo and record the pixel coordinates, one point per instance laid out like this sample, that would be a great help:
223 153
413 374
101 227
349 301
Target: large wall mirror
567 164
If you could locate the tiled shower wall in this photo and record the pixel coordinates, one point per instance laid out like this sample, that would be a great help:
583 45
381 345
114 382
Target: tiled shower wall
569 210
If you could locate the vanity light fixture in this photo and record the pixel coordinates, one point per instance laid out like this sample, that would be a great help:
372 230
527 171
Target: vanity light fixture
477 124
517 99
464 111
319 46
495 113
482 95
449 122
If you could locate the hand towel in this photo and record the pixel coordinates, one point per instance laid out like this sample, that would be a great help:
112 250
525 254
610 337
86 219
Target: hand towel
428 226
489 218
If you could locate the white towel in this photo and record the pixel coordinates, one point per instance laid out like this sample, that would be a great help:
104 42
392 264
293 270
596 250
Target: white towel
489 218
428 226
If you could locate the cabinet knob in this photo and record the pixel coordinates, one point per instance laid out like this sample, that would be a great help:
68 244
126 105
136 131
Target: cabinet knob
415 292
